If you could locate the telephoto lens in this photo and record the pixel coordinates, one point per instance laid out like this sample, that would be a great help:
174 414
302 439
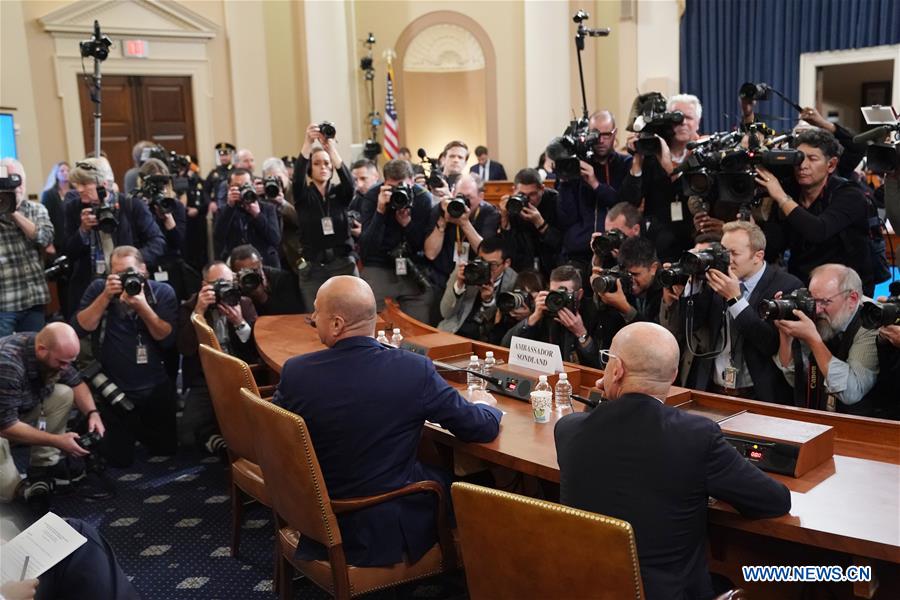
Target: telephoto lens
510 301
249 280
783 308
606 281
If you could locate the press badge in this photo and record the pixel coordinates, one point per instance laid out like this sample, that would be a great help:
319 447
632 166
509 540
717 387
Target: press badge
100 266
141 353
327 226
400 266
729 376
675 207
42 422
461 253
161 276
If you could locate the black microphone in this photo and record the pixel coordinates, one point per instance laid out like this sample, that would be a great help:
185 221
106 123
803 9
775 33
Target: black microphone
442 366
586 401
422 154
96 29
873 135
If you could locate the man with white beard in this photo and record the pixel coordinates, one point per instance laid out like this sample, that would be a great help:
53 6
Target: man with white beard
838 357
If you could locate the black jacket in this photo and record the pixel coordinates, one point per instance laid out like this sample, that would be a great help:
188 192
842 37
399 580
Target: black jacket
655 466
525 243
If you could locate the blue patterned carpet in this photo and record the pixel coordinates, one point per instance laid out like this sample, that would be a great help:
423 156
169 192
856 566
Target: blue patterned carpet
170 526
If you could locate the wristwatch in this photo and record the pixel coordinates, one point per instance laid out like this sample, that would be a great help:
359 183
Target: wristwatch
583 338
732 301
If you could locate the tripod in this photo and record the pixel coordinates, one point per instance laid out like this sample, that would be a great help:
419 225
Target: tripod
583 32
97 48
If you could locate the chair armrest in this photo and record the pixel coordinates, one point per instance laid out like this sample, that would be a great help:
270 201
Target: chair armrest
445 538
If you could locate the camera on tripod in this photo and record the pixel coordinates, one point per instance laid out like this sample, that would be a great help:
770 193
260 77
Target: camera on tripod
401 196
649 118
605 282
783 308
8 184
883 152
576 144
97 47
477 272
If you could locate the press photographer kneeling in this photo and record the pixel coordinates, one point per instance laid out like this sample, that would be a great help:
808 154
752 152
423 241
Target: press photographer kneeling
38 386
132 320
556 319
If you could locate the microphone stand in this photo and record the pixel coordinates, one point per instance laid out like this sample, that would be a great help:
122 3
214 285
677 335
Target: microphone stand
580 34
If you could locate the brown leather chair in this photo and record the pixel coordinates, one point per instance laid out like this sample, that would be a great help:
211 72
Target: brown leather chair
206 335
302 507
247 483
518 547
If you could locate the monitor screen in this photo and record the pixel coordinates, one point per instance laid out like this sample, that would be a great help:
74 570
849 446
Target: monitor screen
7 136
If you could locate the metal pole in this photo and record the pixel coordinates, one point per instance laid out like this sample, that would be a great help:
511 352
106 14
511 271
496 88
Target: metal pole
97 114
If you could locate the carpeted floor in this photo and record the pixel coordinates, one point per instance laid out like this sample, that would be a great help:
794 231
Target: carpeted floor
169 523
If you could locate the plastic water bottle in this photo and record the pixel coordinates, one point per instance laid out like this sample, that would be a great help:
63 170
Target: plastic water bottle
542 385
488 367
472 381
563 395
396 339
381 337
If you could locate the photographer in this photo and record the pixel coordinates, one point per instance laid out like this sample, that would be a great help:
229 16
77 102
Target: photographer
278 189
25 229
155 188
653 184
560 323
322 211
246 220
231 316
469 304
641 297
516 305
825 216
38 386
273 291
725 315
98 220
623 221
454 239
832 362
528 224
133 320
395 218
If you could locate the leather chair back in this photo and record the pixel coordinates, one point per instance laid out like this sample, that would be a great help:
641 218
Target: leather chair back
286 455
205 333
518 547
225 376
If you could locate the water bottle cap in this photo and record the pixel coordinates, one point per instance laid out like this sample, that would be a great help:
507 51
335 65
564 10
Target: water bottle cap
396 330
563 376
473 357
542 378
489 354
380 332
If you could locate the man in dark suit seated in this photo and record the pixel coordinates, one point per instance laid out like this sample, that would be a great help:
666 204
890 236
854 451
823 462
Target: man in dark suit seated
655 466
365 406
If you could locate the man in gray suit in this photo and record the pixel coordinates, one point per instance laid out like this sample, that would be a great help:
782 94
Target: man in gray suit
469 307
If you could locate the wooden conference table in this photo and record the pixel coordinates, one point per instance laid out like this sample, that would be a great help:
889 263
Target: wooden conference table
845 511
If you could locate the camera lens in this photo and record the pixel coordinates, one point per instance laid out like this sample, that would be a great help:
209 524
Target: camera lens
557 300
515 204
249 280
457 207
327 129
510 301
674 275
875 315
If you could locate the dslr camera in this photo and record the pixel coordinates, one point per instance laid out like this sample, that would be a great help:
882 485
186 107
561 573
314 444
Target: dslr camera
784 307
649 118
8 184
227 292
515 204
477 272
875 315
401 197
457 206
107 221
249 280
510 301
272 186
132 281
559 299
248 194
153 188
567 151
697 263
104 389
327 129
604 244
58 269
606 281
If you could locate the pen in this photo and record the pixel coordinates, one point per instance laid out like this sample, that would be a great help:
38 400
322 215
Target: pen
24 568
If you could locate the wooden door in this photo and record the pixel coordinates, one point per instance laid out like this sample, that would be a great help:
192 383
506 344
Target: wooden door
159 109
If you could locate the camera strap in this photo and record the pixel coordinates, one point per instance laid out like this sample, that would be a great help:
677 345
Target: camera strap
689 330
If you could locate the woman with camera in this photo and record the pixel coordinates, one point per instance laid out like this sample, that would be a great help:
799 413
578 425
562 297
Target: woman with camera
327 248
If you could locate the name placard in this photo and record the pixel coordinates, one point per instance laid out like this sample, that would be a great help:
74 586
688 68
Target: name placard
538 356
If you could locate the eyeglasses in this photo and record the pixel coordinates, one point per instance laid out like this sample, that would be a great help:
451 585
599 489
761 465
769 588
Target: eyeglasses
606 356
826 302
606 134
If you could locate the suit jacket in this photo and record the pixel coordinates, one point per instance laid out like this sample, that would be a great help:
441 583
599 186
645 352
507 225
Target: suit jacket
759 337
495 171
655 466
456 309
366 429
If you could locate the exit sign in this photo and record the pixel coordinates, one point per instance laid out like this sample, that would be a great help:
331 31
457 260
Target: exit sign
135 48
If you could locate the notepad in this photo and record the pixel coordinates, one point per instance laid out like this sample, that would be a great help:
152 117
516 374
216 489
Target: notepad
49 540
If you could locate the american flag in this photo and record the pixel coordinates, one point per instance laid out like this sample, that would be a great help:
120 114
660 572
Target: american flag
391 126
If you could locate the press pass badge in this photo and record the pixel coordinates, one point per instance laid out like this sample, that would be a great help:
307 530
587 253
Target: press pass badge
729 376
42 422
141 353
161 275
100 266
676 211
327 226
400 266
461 253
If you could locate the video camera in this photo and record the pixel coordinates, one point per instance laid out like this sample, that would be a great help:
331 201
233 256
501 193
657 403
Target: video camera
649 118
510 301
881 156
8 184
576 144
435 177
477 272
559 299
97 47
606 281
783 308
